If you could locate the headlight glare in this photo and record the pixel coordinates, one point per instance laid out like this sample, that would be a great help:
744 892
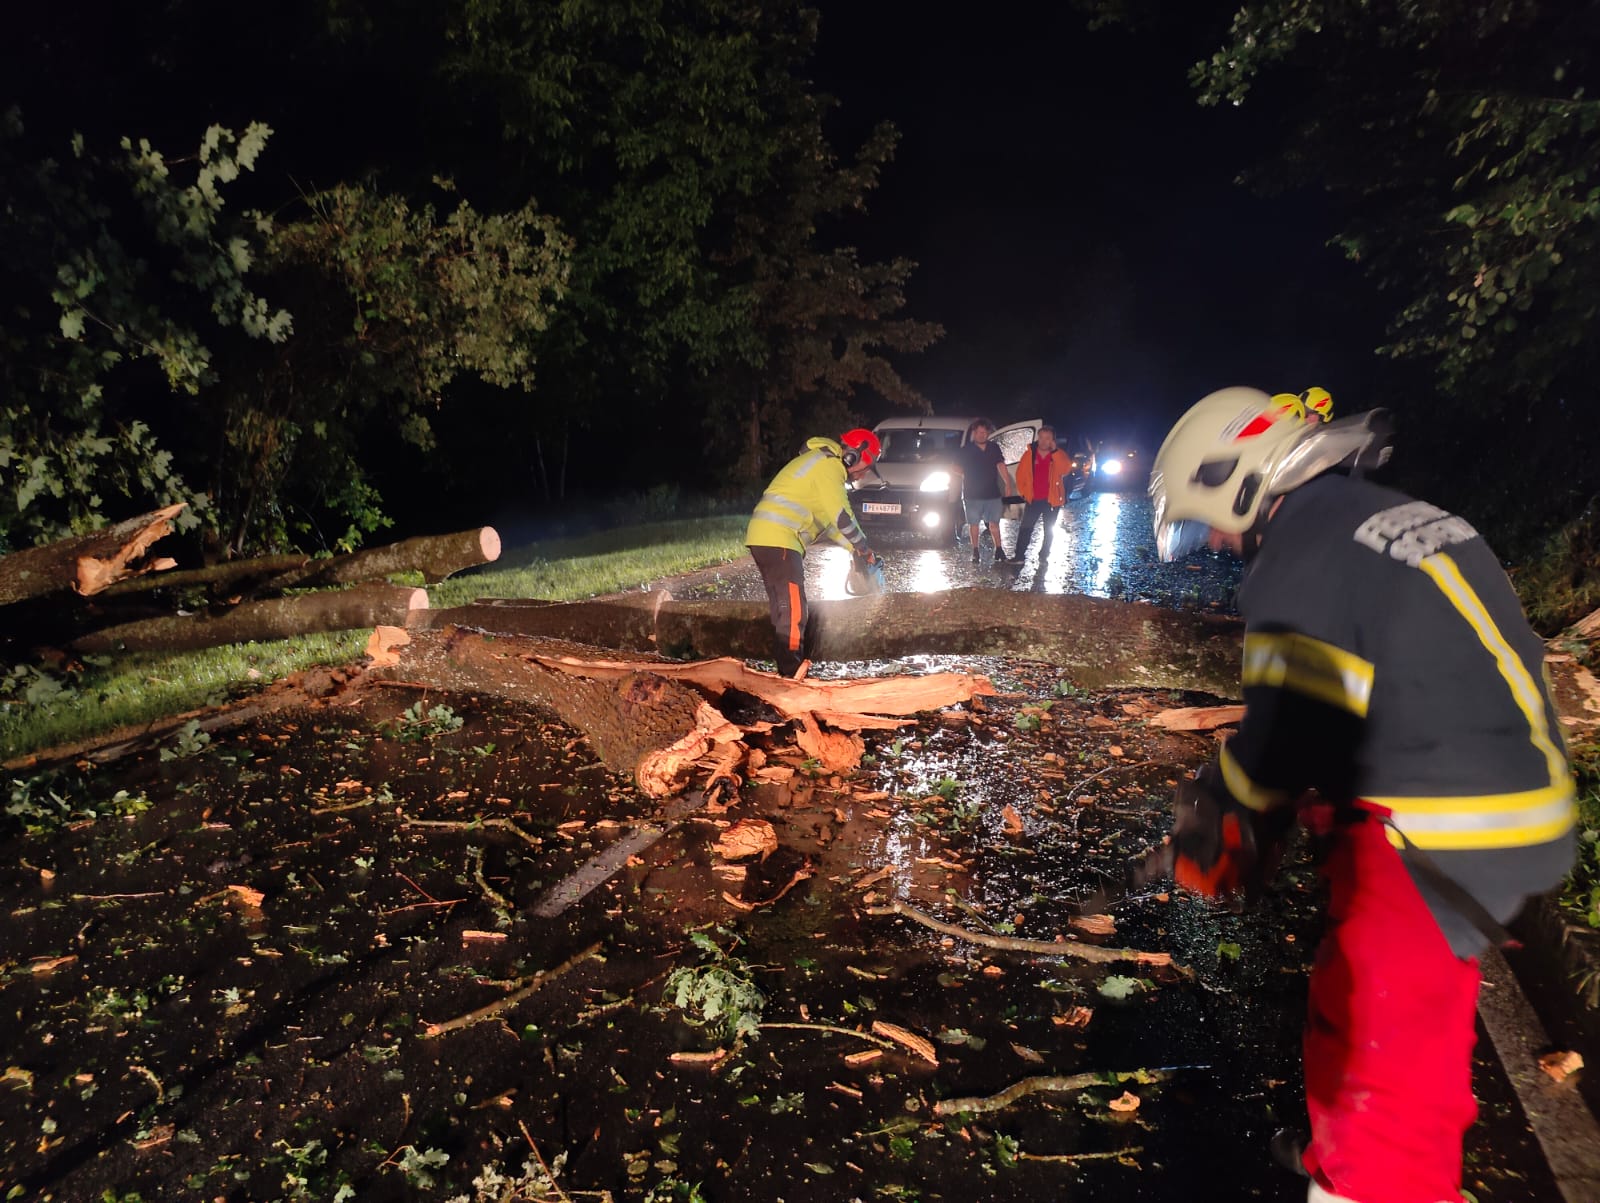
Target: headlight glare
936 482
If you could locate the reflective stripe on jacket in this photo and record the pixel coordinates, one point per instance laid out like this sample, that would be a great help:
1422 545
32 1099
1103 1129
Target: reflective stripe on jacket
806 502
1060 465
1387 660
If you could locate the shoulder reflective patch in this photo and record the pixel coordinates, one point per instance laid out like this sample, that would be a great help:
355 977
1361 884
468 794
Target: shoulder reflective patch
1525 691
1311 667
1413 531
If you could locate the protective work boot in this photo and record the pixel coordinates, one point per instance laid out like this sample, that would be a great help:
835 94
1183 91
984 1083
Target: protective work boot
999 556
976 555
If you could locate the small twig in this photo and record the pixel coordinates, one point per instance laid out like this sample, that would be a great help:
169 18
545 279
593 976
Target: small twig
1018 1090
1138 764
1073 1158
804 873
419 889
161 1093
494 895
110 897
473 825
828 1027
554 1184
333 810
1045 948
510 1000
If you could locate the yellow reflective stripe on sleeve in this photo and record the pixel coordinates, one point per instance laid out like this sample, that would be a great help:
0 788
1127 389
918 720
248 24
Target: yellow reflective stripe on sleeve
1310 667
1442 570
1516 827
1256 797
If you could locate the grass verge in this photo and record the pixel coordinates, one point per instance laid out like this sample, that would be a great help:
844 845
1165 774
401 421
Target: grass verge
46 710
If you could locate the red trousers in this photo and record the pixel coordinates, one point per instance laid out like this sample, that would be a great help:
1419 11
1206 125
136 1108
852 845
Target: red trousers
1389 1035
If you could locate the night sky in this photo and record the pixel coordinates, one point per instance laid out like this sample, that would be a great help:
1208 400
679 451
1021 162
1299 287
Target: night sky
1077 225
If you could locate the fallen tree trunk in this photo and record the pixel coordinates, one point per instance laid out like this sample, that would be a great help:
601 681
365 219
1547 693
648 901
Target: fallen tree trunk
435 556
276 618
641 716
1096 642
86 563
244 576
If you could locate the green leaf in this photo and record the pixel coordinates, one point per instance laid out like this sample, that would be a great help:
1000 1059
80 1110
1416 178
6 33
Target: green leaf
1118 987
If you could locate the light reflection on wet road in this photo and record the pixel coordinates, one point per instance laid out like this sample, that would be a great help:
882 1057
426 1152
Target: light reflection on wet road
1101 545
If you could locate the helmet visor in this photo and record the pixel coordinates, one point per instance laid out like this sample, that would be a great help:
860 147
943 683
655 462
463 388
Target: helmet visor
1176 540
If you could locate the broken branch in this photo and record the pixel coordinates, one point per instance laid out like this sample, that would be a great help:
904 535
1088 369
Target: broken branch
1019 1090
510 1000
1045 948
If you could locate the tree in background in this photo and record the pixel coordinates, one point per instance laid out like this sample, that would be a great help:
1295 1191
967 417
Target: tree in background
821 325
1459 143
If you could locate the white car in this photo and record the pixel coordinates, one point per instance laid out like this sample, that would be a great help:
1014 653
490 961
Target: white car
915 487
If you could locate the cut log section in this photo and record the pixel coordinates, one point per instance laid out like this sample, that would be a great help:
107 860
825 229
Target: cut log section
87 563
1096 642
276 618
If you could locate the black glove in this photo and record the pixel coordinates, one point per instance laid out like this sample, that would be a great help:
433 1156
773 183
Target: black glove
1220 846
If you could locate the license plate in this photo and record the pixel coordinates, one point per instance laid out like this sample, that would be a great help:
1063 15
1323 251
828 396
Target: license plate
880 507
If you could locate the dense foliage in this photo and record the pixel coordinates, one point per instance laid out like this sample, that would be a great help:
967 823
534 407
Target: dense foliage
1458 144
483 232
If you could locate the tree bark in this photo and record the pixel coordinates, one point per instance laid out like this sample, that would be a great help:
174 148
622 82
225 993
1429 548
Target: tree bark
277 618
627 721
86 563
435 556
1097 643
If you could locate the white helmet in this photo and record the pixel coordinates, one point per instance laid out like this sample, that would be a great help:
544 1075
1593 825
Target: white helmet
1234 451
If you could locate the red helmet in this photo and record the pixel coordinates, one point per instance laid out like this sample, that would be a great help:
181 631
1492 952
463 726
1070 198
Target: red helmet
861 446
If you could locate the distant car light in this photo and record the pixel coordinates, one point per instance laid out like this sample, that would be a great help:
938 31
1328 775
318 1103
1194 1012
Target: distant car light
930 519
1111 467
936 482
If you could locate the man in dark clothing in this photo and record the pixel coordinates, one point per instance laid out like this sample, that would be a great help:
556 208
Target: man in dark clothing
1388 667
984 481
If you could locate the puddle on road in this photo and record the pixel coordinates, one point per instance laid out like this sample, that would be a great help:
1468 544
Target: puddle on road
179 1035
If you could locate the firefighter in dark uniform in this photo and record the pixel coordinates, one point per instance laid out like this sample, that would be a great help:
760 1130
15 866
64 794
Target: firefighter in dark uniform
1386 627
806 502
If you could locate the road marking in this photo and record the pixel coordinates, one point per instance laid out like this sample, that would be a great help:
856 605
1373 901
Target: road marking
1567 1131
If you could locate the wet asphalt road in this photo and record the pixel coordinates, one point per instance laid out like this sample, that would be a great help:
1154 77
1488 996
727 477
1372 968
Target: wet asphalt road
1101 545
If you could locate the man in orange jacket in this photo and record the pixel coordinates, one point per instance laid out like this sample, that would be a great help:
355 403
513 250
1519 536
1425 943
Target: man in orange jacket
1040 475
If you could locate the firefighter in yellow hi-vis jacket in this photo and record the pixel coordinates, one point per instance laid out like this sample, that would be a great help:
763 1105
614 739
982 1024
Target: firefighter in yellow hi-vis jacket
806 502
1386 627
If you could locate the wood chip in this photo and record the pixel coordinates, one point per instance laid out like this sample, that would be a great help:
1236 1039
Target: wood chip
474 936
1127 1102
246 897
1094 925
841 1088
710 1058
49 964
917 1044
863 1058
1078 1017
1561 1065
747 837
1027 1054
1012 819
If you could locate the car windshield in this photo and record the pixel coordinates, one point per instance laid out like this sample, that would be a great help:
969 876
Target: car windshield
918 446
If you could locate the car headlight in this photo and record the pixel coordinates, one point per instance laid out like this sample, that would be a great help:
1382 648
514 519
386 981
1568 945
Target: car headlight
936 482
1111 467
